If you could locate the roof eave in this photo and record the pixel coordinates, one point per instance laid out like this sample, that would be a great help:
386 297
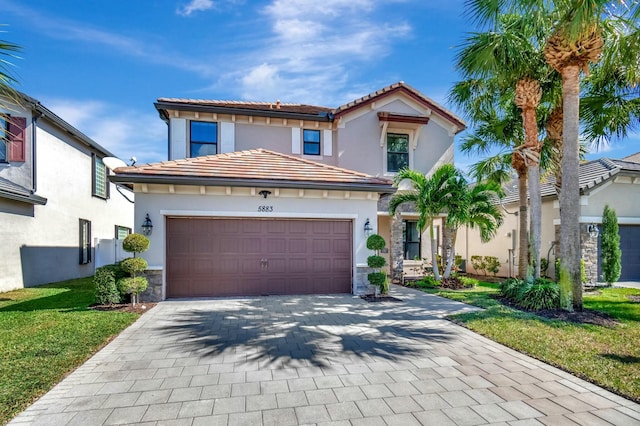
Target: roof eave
272 183
163 106
31 199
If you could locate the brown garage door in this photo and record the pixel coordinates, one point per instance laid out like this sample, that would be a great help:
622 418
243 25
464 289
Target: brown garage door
238 257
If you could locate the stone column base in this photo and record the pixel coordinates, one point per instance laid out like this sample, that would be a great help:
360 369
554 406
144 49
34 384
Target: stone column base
153 293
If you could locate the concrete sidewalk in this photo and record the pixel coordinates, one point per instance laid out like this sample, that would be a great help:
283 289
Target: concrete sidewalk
318 360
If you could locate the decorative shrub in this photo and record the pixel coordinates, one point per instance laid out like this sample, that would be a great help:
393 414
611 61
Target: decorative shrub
610 246
376 261
135 243
492 264
428 281
512 288
377 278
468 281
479 264
544 266
542 294
133 265
133 286
105 280
376 242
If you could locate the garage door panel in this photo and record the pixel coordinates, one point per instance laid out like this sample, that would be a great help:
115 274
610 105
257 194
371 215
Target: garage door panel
223 257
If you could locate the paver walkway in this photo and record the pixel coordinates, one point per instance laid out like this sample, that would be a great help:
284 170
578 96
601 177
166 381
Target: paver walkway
318 359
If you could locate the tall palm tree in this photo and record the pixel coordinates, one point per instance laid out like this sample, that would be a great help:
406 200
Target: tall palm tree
7 80
511 53
431 195
498 124
475 207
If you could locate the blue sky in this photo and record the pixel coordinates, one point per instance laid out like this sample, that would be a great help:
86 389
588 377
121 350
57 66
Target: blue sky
101 65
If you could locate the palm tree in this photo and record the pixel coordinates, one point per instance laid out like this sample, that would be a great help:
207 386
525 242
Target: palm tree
511 53
431 195
7 80
498 124
475 206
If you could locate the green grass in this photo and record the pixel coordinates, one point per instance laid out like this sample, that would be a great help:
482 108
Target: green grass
606 356
46 332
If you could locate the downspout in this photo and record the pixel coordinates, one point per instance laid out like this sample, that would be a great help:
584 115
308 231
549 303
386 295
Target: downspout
34 175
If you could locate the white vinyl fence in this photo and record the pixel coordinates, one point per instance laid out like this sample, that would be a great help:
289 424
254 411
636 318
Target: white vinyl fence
108 251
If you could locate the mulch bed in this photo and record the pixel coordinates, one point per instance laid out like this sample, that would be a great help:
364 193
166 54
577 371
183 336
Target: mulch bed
373 299
139 308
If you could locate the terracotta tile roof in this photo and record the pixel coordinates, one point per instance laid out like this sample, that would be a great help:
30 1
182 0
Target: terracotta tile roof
591 174
401 86
257 166
256 106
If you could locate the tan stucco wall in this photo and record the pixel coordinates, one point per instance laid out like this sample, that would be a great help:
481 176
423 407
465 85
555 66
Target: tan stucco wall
621 194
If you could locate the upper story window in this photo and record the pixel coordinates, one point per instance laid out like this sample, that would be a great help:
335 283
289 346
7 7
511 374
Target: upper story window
122 232
411 240
397 152
100 185
311 142
203 138
3 140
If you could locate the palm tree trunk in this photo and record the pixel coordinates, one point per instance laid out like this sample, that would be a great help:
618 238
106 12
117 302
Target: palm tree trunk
434 252
570 194
523 216
449 242
536 217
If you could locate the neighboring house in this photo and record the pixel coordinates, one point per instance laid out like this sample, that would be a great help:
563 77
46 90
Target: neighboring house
603 181
55 198
273 198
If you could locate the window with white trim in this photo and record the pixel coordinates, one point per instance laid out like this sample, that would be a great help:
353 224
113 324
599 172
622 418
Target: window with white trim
203 138
311 142
397 152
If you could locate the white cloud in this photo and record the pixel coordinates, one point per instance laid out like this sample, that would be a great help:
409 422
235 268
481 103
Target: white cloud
313 48
195 6
126 133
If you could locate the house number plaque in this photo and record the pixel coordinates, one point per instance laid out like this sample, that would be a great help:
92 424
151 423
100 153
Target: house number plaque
265 209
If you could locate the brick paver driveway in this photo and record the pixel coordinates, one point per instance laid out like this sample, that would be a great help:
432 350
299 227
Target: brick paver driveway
316 359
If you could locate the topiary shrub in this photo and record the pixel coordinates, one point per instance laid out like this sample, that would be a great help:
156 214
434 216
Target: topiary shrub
376 261
376 242
133 265
377 278
135 243
133 286
105 280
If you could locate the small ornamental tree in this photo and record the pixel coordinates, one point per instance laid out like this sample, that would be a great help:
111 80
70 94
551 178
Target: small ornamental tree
134 284
377 278
610 246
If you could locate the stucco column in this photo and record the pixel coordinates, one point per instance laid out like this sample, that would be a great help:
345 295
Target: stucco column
397 249
589 253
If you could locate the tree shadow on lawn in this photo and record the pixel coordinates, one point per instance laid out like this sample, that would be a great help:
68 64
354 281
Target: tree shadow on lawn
304 331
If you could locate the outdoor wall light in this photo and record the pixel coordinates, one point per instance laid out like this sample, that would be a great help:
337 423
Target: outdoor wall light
368 229
593 230
264 193
147 225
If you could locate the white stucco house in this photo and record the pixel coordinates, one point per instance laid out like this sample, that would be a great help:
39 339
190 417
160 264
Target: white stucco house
278 198
603 181
55 198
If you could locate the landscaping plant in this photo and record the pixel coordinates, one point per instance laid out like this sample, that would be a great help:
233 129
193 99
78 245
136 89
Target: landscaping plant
134 284
479 264
377 278
610 246
105 281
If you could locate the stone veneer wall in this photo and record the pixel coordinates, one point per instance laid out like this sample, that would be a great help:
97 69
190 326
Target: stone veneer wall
153 293
589 246
362 282
396 247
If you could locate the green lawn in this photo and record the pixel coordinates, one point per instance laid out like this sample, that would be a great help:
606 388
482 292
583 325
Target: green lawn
46 332
606 356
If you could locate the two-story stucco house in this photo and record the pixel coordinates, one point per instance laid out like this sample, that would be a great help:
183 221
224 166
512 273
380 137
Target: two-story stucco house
277 198
55 197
